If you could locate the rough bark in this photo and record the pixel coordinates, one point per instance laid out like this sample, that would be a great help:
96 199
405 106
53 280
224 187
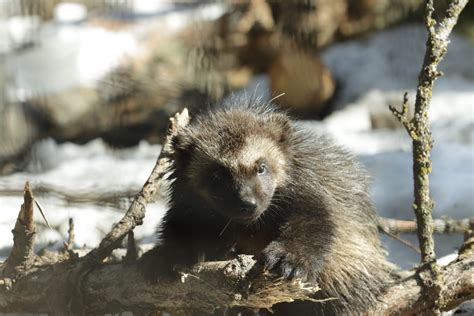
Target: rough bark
422 143
22 255
407 297
121 287
419 128
239 282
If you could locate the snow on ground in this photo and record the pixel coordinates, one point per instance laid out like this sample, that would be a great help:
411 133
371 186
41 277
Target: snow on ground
69 56
391 61
71 52
74 169
373 73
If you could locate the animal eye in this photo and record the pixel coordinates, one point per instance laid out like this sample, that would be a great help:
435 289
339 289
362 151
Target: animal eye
262 169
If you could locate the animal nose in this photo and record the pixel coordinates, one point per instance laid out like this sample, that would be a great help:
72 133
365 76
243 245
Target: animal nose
248 205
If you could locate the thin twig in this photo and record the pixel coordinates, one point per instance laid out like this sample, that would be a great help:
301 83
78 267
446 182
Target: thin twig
403 241
69 245
402 116
71 234
443 225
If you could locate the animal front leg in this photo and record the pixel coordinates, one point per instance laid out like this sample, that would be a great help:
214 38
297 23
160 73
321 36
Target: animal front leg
300 249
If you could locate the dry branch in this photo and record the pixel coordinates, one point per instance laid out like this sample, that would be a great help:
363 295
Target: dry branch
71 234
407 297
136 212
444 225
419 128
22 255
422 143
457 288
57 284
239 282
121 287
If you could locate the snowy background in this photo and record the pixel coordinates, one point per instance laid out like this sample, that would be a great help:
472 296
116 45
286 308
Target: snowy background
373 72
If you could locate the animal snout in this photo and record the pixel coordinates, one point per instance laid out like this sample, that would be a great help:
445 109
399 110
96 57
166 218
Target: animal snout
248 205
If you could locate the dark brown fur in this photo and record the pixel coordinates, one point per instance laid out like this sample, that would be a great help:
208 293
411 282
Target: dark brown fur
310 215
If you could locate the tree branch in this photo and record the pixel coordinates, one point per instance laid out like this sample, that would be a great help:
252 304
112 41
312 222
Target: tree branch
111 288
206 286
444 225
457 288
422 143
418 127
22 255
436 48
407 297
136 212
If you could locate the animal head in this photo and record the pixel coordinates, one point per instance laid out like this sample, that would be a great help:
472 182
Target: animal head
235 159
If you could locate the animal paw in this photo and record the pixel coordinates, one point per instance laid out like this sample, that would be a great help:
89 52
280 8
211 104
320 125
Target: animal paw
282 262
154 267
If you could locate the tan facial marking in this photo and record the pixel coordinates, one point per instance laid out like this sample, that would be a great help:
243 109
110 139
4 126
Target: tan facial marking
258 148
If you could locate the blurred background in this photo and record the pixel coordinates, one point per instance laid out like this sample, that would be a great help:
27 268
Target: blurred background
87 86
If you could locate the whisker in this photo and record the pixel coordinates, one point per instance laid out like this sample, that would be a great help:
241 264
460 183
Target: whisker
225 227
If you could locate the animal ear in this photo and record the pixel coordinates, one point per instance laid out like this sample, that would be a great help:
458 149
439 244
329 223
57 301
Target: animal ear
280 126
182 147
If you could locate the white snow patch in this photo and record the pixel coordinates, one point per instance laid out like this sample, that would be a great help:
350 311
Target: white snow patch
391 60
68 56
68 12
80 169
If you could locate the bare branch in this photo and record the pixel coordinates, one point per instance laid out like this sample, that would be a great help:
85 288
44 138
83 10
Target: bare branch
444 225
65 290
136 212
419 129
210 285
401 240
206 286
71 234
407 297
69 244
22 255
402 116
436 47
